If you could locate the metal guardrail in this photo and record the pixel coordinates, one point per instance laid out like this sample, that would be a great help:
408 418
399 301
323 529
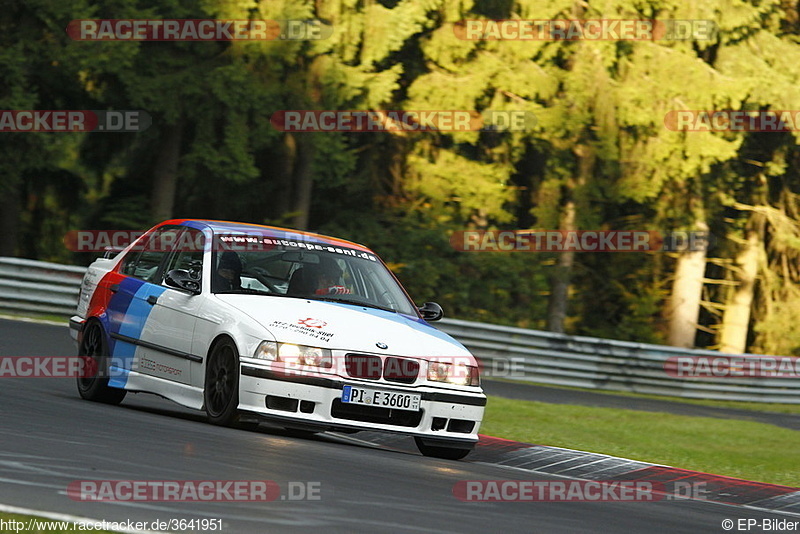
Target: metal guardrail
605 364
39 287
508 352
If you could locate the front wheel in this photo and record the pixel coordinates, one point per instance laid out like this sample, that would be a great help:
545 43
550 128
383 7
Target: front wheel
221 391
446 453
95 387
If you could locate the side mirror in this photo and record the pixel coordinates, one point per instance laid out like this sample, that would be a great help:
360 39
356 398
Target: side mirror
181 279
431 311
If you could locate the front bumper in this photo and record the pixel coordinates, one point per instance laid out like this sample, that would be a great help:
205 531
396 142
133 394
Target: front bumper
446 417
76 324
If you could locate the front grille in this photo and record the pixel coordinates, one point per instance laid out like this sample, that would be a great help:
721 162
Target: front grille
363 366
400 370
372 414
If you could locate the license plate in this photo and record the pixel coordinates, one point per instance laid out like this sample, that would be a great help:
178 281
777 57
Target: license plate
381 398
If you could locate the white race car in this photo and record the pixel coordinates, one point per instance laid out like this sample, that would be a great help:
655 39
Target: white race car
252 322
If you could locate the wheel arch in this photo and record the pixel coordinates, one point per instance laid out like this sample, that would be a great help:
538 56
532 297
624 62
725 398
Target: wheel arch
90 321
219 338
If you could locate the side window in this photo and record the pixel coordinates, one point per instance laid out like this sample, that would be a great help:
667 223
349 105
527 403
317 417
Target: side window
144 263
188 255
129 263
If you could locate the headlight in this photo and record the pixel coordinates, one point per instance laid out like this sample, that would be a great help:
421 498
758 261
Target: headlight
294 354
267 350
305 355
453 373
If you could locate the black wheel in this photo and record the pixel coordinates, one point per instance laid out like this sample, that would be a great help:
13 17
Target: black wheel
95 387
447 453
221 391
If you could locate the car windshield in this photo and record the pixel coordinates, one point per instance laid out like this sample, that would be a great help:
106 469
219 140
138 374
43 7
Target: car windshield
304 269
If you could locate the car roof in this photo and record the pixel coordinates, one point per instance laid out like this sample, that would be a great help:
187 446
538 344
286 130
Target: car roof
222 227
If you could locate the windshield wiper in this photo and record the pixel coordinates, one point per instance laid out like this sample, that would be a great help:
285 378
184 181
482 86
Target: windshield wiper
355 302
248 291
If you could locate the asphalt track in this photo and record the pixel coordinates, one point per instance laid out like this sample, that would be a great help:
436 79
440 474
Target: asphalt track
49 437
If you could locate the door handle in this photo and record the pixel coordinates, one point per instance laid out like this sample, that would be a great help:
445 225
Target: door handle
152 299
114 288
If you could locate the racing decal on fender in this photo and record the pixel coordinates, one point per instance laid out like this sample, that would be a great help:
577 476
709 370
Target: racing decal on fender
309 327
119 302
102 295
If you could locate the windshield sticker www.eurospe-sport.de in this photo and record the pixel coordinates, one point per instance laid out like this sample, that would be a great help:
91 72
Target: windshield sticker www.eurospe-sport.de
251 242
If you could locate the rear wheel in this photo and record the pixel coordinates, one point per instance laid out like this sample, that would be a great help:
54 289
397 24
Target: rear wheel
447 453
95 387
221 391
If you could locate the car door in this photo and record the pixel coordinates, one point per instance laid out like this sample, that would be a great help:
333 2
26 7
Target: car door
170 326
132 303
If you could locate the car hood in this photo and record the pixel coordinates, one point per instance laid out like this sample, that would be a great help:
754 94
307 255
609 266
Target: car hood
345 326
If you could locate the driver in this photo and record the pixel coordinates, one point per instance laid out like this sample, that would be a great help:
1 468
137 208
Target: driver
327 276
229 271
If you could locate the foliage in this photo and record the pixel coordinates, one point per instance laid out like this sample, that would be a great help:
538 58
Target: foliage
599 144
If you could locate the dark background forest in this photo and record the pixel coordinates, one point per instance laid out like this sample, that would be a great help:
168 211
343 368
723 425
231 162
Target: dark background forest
599 156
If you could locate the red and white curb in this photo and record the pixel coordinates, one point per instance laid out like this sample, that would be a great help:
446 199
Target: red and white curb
601 467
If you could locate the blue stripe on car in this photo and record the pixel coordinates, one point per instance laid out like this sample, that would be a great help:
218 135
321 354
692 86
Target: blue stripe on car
133 295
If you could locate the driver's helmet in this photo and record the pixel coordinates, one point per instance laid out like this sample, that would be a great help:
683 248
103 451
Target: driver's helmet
326 276
230 260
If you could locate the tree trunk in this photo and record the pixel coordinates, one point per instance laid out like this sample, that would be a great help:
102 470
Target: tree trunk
165 175
687 292
557 305
736 318
285 172
10 207
303 181
559 280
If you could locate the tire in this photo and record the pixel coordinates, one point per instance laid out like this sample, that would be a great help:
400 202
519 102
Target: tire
446 453
221 387
96 388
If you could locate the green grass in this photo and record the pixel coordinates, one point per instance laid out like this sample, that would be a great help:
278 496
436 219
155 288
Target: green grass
43 523
10 314
741 449
736 405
